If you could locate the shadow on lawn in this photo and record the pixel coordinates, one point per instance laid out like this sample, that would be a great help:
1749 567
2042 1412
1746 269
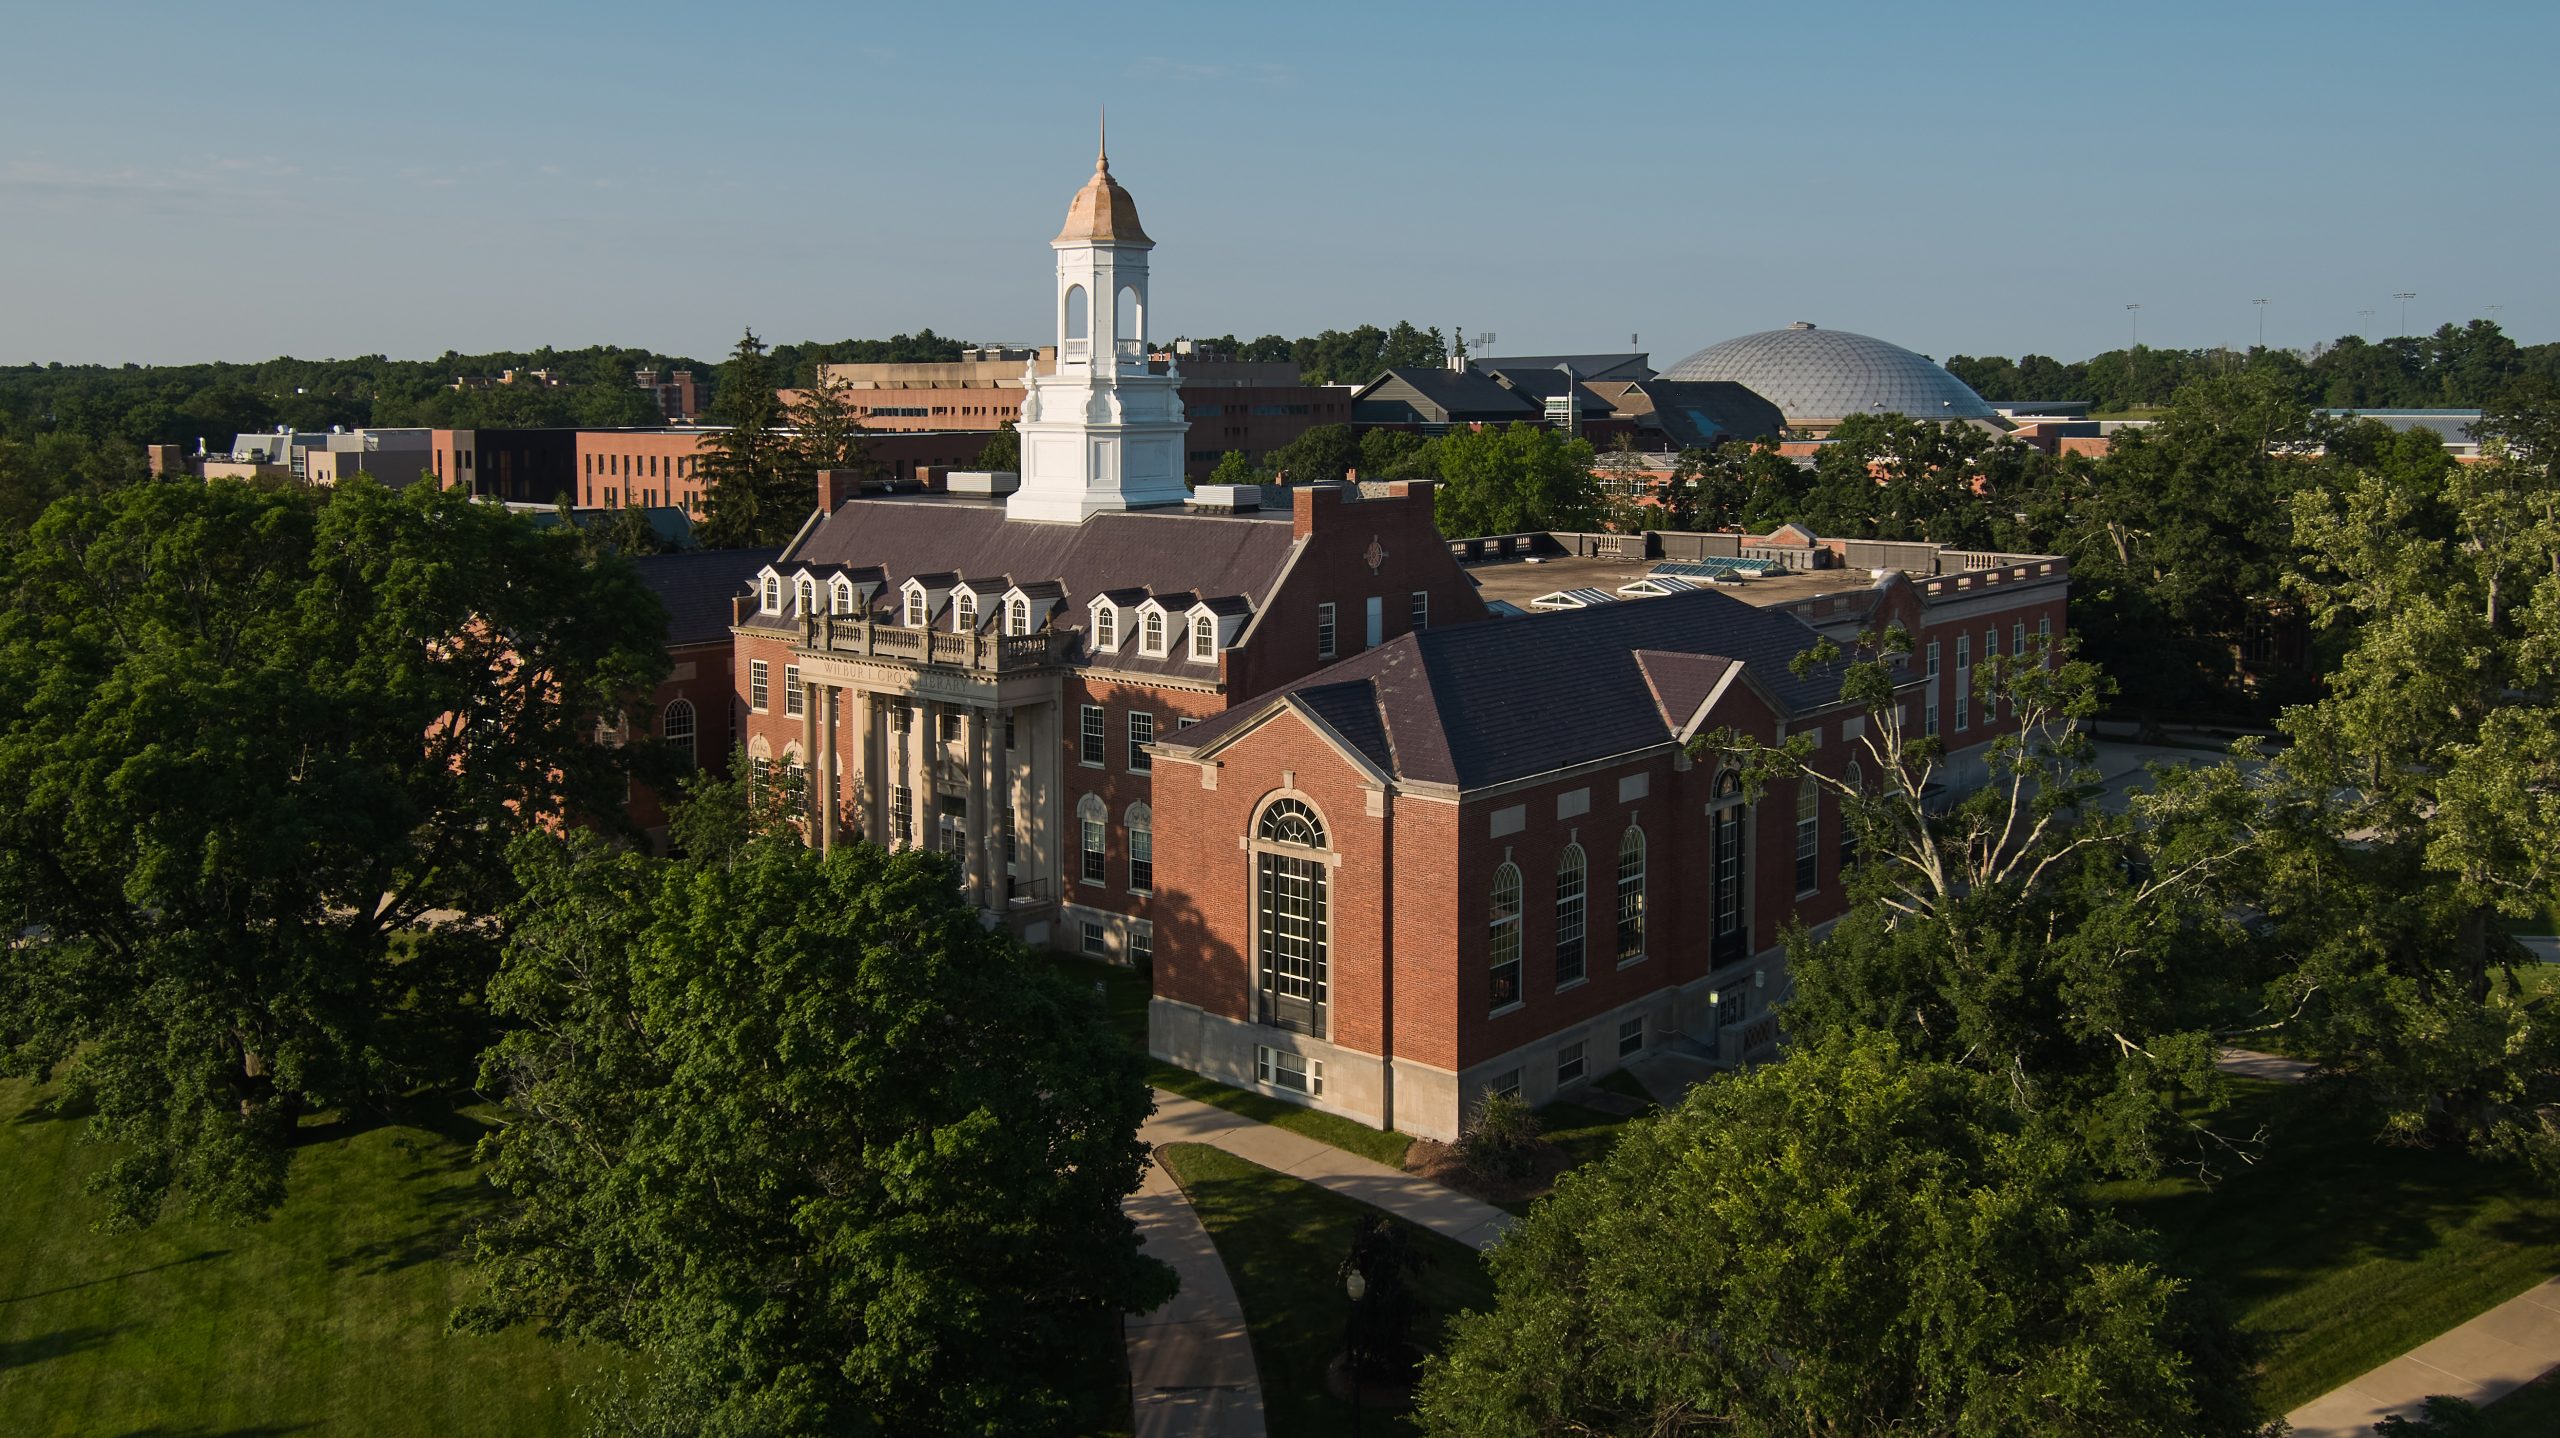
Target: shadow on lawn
263 1430
60 1343
208 1256
445 1209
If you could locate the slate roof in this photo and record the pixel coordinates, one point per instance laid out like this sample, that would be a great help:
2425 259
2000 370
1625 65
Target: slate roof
696 586
1698 414
1481 704
1584 367
1546 384
1467 395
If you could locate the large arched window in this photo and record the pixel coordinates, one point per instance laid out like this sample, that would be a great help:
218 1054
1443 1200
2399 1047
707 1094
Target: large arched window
1142 849
1502 944
1572 880
1291 872
1808 836
1631 895
677 726
1857 783
1731 818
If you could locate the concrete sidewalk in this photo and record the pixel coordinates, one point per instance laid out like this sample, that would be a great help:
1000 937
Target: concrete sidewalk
2483 1360
1419 1201
1191 1368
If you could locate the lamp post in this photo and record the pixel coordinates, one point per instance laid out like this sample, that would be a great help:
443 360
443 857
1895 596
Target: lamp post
1355 1284
2404 296
2135 309
2262 322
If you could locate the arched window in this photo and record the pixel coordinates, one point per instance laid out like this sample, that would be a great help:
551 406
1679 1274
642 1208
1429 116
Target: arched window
1129 324
1204 638
964 612
1151 632
1291 875
1571 886
1502 944
1091 816
1079 323
808 596
1631 895
1106 628
677 725
1808 837
1017 616
915 609
1142 849
771 600
1731 822
840 596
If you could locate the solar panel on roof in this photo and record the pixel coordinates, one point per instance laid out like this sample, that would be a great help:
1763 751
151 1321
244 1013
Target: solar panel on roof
1714 569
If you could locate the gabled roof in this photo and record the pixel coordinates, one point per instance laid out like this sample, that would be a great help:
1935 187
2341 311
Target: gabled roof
1546 384
1457 395
696 586
1584 367
1697 414
1483 704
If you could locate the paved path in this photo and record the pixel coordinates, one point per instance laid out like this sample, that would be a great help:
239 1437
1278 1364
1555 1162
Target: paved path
1191 1367
2483 1360
2249 1063
1416 1200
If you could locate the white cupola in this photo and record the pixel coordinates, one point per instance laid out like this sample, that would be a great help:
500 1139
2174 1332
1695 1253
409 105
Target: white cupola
1102 431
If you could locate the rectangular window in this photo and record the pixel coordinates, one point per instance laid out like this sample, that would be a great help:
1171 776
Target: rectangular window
1324 631
1185 722
757 682
1809 841
1142 859
2018 637
1097 943
1142 732
1568 1064
1421 610
902 814
1990 643
1505 1084
1142 942
901 719
1280 1068
947 726
1008 728
1929 712
794 703
1570 910
1377 620
1964 680
1631 1036
1933 658
1092 870
1093 749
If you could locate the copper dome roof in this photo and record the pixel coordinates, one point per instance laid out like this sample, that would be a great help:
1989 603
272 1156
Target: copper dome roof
1102 213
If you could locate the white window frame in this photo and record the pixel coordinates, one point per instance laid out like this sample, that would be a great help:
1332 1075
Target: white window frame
794 703
1017 616
759 685
769 595
1093 737
917 614
1139 760
964 612
1204 639
1106 627
1328 632
1152 631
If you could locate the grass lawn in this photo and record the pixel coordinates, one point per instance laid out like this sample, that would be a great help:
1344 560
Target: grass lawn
2340 1254
326 1319
1283 1242
2532 1411
1126 993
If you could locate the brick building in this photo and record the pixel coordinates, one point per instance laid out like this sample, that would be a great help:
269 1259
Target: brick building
619 468
1480 858
695 709
520 466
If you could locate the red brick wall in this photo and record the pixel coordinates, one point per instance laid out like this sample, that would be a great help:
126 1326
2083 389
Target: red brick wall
712 689
1339 528
1116 783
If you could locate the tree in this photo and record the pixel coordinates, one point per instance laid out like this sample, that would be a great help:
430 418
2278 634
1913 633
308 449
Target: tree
2418 807
1003 453
1852 1241
1511 480
825 433
803 1133
752 493
2083 959
1321 455
1234 468
249 737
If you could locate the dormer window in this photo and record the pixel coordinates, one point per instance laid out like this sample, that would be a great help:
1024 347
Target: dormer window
1204 639
771 600
965 612
808 595
840 596
1106 628
1017 616
915 609
1151 632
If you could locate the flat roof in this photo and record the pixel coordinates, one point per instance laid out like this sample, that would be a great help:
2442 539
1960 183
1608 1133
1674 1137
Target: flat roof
1522 580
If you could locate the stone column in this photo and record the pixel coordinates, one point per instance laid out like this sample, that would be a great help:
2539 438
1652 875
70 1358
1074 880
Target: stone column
1018 766
809 768
974 827
866 757
899 770
831 783
924 741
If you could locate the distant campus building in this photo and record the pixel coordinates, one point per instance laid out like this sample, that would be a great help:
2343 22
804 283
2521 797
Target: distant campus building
1384 851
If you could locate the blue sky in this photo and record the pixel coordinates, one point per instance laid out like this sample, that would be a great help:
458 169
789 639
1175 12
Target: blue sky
198 182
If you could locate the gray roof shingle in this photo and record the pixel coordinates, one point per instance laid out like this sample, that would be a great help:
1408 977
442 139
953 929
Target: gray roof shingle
696 586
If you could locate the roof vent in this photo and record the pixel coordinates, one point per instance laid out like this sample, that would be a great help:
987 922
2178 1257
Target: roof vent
1227 498
1801 325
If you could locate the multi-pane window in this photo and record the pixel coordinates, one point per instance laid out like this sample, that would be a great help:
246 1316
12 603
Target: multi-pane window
678 726
1106 628
2018 637
1421 610
794 703
1282 1069
1929 712
1933 658
1094 746
770 601
1504 945
1142 942
1324 631
1631 1036
902 813
1505 1084
1142 849
915 609
1097 940
840 596
1569 1064
1990 642
1017 616
1728 865
1291 932
808 596
758 685
1142 732
1151 632
946 725
1964 680
1091 825
1570 905
1808 837
1204 638
964 612
1008 728
1856 781
1631 895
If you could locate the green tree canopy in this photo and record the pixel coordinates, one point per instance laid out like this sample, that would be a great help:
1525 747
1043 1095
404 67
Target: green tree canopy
803 1133
248 737
753 491
1322 455
1514 479
1848 1242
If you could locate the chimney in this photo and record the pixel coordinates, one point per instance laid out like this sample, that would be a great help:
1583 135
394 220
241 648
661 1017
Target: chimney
1307 504
835 486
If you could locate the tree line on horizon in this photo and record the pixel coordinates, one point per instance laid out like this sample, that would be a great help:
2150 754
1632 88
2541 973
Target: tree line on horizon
2464 366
